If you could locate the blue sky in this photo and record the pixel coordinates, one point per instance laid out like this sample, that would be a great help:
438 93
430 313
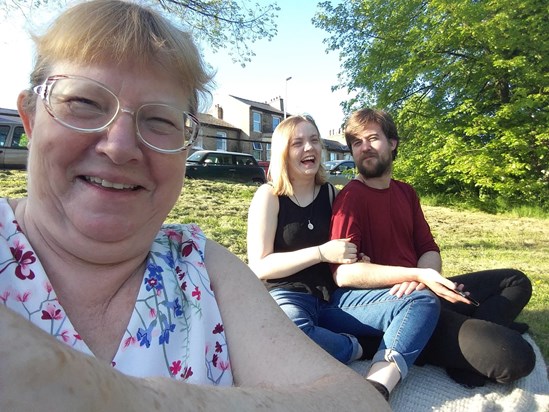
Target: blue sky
297 51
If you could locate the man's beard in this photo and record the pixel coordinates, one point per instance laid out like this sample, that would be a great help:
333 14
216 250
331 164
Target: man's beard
380 167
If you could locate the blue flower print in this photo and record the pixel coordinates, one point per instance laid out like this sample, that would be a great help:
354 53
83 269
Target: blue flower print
145 336
154 281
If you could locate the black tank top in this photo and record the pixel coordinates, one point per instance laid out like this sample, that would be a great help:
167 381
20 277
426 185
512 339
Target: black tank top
292 234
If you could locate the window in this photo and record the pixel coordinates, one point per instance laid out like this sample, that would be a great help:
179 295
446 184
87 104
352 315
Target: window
221 141
276 122
257 150
256 117
4 131
268 148
19 139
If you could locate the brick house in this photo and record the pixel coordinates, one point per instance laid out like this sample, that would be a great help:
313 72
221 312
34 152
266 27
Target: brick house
256 121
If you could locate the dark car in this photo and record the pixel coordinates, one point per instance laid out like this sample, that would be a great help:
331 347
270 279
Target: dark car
339 172
13 143
239 167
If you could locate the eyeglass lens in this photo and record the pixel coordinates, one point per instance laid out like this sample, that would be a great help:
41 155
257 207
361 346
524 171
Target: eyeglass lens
85 105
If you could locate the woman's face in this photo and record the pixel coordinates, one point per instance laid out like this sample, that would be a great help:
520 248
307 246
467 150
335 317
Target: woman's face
304 151
106 186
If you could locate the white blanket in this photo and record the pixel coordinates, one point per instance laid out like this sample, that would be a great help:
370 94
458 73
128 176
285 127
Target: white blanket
429 388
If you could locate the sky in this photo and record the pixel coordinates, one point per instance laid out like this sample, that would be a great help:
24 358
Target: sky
296 51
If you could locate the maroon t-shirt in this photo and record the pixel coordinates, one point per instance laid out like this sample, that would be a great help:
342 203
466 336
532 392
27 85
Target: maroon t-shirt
387 225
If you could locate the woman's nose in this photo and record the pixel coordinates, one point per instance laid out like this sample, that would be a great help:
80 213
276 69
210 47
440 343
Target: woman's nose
120 141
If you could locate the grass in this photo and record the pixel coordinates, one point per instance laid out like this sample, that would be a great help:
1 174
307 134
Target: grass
470 240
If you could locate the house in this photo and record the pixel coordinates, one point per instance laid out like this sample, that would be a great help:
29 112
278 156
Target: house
256 120
335 147
217 134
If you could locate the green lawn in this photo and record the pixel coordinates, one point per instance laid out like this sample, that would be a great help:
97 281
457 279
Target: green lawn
469 240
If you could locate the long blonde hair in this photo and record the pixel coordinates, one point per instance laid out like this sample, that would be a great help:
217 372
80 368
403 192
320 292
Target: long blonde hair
280 146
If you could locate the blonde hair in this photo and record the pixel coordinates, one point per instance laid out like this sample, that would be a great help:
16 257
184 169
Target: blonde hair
122 32
280 147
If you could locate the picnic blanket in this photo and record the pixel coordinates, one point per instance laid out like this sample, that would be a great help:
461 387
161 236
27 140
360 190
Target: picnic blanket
429 388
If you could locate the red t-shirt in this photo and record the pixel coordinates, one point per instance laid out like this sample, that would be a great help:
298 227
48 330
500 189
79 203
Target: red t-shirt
387 225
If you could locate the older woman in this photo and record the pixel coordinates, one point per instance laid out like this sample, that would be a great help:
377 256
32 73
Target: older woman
86 259
289 248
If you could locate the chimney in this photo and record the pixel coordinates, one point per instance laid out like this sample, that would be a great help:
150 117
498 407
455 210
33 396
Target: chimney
219 110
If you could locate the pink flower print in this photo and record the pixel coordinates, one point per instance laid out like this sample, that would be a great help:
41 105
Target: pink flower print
16 225
51 313
187 372
196 293
218 329
65 336
218 347
152 313
23 260
129 341
184 286
187 248
223 365
215 357
48 287
4 296
173 235
175 368
23 298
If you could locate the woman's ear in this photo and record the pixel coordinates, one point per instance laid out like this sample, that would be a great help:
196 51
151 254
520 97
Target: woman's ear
26 113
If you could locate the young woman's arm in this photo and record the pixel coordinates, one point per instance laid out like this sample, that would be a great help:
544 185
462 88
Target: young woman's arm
262 223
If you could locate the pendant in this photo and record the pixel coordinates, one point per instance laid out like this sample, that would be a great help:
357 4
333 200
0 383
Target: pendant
310 225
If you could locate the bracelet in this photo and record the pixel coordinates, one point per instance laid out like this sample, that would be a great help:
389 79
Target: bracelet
320 254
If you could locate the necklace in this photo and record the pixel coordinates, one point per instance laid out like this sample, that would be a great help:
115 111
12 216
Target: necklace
310 226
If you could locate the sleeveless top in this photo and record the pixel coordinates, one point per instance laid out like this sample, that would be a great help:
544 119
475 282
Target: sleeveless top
175 329
292 234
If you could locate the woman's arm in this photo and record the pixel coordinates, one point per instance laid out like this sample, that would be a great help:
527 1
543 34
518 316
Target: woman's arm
270 354
262 223
276 367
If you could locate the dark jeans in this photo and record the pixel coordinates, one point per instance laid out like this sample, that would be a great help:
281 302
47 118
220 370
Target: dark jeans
478 339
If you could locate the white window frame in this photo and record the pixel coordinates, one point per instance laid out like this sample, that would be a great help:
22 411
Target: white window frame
221 141
256 122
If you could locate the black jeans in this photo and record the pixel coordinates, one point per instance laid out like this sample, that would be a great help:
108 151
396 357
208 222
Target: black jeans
478 339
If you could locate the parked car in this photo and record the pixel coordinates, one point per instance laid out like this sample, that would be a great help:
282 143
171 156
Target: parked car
265 165
13 143
239 167
339 172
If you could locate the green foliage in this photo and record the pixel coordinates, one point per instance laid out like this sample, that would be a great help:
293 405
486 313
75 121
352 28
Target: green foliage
229 25
467 82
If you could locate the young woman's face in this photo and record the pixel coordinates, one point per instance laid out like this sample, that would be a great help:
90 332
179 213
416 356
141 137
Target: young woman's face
305 149
106 185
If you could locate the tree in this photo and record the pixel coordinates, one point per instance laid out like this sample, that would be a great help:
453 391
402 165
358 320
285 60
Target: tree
467 82
223 24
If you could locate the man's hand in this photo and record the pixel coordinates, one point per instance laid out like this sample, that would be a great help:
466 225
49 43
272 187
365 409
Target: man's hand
405 288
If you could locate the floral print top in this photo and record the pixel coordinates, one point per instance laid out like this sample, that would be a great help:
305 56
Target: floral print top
175 329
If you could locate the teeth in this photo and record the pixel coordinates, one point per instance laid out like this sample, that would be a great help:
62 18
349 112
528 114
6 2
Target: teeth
106 183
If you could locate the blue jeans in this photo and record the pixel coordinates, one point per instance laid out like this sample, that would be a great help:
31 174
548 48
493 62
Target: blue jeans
405 323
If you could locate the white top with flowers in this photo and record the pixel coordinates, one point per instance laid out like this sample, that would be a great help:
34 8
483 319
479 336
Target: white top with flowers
175 329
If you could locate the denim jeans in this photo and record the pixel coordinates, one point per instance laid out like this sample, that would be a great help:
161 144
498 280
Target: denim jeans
404 324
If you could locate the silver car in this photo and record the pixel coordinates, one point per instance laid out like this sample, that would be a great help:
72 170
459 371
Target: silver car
339 172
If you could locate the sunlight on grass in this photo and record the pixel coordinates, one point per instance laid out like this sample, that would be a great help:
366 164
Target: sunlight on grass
470 240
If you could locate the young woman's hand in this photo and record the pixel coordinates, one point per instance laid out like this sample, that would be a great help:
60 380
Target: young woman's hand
338 251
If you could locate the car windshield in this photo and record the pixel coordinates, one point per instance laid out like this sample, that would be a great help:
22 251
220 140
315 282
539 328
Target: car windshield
195 157
330 165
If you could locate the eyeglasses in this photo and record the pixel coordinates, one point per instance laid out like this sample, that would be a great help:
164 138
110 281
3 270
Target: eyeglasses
88 106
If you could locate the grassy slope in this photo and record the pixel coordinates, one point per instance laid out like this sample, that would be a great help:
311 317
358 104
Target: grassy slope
469 240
